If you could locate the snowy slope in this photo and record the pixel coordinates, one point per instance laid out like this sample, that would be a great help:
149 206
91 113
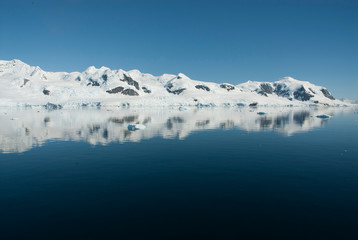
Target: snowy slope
24 85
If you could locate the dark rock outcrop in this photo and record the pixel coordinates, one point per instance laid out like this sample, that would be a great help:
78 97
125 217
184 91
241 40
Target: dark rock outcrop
93 83
46 92
327 94
202 87
104 77
176 92
253 104
130 81
281 91
265 88
115 90
226 86
146 90
302 95
130 92
25 81
312 91
262 93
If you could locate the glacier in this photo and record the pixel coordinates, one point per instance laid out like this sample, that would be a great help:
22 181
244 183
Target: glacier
22 85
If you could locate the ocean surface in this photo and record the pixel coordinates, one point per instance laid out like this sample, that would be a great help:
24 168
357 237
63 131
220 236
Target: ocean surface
235 173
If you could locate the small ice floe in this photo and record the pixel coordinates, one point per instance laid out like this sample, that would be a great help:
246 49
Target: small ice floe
134 127
323 116
261 113
182 108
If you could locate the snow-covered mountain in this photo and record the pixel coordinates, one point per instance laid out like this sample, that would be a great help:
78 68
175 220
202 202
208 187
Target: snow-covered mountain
24 85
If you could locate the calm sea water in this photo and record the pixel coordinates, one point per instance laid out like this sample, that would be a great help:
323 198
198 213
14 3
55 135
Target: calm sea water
196 174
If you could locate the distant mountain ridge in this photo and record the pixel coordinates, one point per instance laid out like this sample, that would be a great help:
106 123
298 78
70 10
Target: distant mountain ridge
25 85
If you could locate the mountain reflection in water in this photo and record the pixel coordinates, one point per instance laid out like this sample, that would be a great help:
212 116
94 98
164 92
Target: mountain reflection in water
22 130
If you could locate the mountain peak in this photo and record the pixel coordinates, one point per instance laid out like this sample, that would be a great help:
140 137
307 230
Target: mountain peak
17 61
183 76
104 68
13 63
294 83
91 69
288 79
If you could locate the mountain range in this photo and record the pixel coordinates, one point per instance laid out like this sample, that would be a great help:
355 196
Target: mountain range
25 85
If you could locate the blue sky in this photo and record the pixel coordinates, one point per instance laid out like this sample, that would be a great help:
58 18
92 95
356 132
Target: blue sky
219 41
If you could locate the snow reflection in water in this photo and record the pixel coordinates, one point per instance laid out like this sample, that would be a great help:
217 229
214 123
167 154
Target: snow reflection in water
22 130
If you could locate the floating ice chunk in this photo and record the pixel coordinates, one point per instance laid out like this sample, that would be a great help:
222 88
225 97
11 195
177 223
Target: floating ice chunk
324 116
181 108
134 127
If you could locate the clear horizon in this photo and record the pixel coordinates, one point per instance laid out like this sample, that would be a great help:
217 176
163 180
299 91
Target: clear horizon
226 41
